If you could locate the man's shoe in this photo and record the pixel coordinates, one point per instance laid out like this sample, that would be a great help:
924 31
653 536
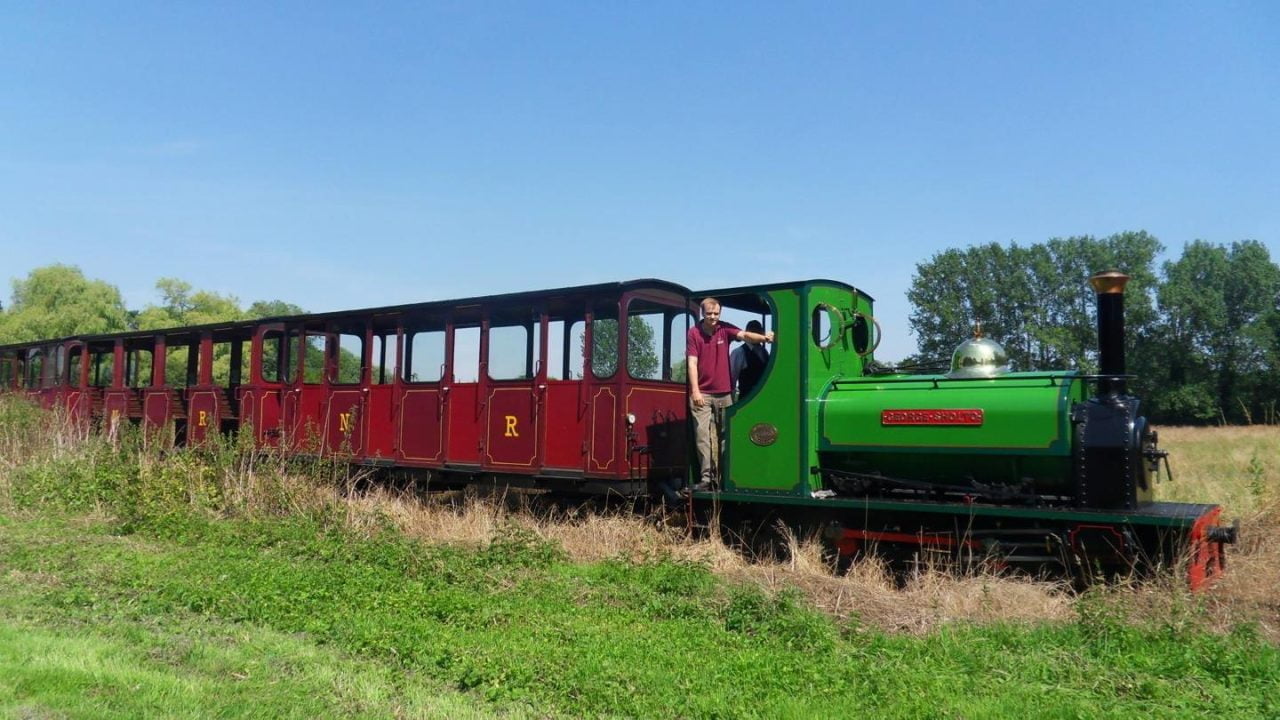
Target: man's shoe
704 486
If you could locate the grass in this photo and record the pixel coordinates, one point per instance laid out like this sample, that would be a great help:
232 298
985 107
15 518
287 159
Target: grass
230 582
1236 467
86 663
522 630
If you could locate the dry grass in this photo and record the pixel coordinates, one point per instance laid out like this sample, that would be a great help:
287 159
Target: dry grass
1250 591
1236 467
930 597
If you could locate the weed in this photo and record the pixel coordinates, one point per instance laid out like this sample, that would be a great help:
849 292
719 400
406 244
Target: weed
1257 478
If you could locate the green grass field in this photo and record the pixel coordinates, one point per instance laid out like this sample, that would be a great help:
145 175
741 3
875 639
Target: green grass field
233 584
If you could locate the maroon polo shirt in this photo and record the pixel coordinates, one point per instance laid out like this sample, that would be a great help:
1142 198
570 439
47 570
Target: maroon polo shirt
712 352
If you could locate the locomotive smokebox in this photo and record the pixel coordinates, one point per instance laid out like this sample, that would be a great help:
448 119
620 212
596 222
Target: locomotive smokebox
1110 289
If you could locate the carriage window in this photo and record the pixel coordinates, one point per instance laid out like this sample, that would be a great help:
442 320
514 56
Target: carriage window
383 361
234 357
221 373
349 360
75 361
101 369
604 341
138 368
275 357
289 363
644 345
35 369
424 356
59 365
180 365
466 354
6 371
556 365
678 345
513 351
313 358
564 350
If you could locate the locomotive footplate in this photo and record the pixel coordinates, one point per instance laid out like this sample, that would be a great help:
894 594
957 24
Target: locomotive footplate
1153 536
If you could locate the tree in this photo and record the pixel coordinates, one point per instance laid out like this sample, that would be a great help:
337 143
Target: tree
642 354
273 308
182 306
1217 331
57 301
1034 300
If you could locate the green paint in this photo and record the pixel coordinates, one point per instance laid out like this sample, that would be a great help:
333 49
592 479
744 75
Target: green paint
774 402
1024 413
800 364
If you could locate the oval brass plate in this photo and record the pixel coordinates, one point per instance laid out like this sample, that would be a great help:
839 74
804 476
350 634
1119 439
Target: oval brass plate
764 434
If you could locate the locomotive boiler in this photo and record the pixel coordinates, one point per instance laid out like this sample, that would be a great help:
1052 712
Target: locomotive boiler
981 432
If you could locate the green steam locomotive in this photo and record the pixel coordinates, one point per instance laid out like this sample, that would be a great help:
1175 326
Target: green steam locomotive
1027 469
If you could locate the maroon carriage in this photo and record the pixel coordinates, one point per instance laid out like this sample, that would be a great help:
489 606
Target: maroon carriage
579 387
576 385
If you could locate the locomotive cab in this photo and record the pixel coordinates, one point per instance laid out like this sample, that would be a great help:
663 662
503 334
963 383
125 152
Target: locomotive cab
824 330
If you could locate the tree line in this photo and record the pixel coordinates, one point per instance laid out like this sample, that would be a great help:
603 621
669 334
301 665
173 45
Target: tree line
1203 330
59 300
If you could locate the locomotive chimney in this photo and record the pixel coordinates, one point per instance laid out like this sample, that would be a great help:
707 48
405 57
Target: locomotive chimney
1110 289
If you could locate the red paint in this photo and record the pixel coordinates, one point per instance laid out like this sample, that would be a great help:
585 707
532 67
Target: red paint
851 540
380 422
420 423
202 414
564 425
1207 561
511 427
462 434
345 421
660 426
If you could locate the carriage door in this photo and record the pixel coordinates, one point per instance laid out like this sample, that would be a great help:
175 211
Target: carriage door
514 394
203 409
291 416
345 360
422 393
604 429
302 412
78 402
260 401
656 396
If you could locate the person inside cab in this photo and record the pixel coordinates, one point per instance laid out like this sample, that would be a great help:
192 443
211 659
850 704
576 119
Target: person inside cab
747 362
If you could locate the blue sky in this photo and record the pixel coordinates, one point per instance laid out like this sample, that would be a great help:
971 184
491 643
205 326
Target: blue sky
353 154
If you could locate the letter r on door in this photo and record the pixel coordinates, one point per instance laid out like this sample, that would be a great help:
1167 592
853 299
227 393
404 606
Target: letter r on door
511 427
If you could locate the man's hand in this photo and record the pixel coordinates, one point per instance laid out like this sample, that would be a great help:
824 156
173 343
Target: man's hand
698 400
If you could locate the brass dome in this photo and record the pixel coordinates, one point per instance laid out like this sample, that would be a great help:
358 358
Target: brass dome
979 358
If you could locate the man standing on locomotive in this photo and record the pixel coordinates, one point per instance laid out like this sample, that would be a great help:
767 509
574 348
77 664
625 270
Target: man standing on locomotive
710 386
